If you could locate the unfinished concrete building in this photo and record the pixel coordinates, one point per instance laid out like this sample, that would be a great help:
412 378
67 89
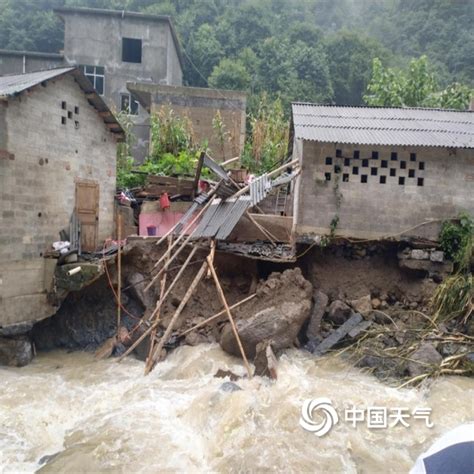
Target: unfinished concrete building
204 108
116 47
380 173
112 48
57 158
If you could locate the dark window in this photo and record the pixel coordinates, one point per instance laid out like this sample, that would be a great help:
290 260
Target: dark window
411 173
421 165
412 156
63 105
69 115
394 156
95 74
355 170
384 164
128 104
375 155
337 169
356 154
338 153
345 178
76 124
420 182
63 120
373 171
365 163
76 110
363 178
131 50
383 179
347 162
327 176
393 172
403 164
401 180
328 160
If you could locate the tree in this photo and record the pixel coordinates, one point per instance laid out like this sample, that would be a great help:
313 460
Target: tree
416 87
205 52
350 61
230 74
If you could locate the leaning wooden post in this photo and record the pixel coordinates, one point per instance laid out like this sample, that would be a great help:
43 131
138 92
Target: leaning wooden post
229 315
119 271
158 306
179 310
162 292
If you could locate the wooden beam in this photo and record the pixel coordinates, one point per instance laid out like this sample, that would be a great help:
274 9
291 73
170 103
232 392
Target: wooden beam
229 315
179 310
220 313
105 114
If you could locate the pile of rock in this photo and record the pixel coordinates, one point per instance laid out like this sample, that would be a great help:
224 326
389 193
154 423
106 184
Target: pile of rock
282 306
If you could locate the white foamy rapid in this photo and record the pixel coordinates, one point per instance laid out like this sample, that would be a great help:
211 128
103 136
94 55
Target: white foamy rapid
101 416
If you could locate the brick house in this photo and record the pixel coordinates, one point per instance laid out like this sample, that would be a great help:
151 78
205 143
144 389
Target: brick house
57 155
378 173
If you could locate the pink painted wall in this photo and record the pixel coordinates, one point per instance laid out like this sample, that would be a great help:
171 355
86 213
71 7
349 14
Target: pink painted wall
163 221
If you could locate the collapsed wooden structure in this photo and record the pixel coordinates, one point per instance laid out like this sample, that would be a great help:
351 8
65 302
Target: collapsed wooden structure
206 225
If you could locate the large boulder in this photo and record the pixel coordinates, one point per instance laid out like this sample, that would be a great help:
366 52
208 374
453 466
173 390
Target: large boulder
424 360
317 313
15 351
339 312
278 324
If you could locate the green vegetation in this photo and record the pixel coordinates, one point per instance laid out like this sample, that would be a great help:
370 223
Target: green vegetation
173 150
454 296
306 50
267 142
416 87
456 240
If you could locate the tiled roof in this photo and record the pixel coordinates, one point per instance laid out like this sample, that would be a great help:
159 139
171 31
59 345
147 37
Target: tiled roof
383 126
15 84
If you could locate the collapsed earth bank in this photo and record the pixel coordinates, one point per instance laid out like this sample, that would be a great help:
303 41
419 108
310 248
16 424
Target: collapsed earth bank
335 297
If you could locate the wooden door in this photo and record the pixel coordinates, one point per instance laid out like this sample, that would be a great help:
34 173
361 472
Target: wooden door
87 210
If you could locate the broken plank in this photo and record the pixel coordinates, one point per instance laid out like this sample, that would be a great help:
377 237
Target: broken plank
338 334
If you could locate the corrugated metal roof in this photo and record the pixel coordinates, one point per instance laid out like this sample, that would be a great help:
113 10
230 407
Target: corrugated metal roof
384 126
15 84
12 85
219 220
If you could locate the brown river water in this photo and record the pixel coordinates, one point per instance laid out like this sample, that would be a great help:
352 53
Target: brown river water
100 416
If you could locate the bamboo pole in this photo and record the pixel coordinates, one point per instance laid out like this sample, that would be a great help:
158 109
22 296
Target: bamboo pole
262 229
173 283
271 174
177 313
183 233
212 318
119 271
162 291
229 315
163 238
158 307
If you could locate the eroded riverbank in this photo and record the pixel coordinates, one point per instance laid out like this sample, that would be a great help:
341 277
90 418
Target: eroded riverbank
103 416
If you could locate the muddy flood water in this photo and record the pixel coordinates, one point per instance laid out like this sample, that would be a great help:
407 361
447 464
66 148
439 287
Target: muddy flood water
100 416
